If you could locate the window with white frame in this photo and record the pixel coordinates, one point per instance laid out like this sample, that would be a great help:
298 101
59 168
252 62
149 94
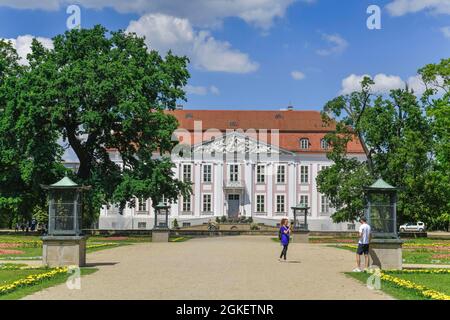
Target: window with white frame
142 204
260 203
324 144
234 172
304 174
207 173
281 173
324 205
304 143
280 208
206 206
304 199
260 173
187 204
187 173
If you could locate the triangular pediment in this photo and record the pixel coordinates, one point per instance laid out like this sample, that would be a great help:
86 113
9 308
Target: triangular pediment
236 142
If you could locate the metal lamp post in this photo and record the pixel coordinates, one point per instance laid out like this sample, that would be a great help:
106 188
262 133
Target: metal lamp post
300 216
160 232
64 244
381 213
381 209
300 230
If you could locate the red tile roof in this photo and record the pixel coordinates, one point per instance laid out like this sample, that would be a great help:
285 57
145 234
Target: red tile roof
292 126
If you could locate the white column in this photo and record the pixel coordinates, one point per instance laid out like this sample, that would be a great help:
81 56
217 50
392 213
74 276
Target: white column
174 206
315 195
197 190
291 187
269 196
248 174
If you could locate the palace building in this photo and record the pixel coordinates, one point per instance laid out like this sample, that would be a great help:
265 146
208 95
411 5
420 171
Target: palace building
243 163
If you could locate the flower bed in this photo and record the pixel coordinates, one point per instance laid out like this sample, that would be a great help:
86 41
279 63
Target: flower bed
31 280
21 244
9 245
332 240
99 245
117 238
424 291
7 251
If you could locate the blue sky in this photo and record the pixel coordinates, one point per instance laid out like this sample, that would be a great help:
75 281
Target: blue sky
263 54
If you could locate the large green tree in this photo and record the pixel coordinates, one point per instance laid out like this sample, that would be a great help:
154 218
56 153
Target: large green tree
100 91
402 144
29 153
436 101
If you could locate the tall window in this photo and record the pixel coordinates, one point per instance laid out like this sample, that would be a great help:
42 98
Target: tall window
260 203
187 204
142 204
207 203
281 174
304 200
280 203
234 172
207 173
260 173
324 205
324 144
304 174
304 143
187 173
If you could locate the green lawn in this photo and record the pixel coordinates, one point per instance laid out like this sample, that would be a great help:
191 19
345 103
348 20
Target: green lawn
8 276
36 253
438 282
424 253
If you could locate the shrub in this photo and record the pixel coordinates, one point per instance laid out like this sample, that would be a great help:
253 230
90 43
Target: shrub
254 226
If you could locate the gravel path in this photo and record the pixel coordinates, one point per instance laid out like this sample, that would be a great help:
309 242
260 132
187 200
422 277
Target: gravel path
243 267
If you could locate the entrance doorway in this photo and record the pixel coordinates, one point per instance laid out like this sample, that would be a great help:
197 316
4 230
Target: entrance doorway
233 205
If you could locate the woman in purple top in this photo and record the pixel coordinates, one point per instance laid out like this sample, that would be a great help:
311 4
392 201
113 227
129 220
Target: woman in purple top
285 231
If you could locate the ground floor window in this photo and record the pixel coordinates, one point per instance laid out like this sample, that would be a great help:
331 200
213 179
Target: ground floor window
260 203
324 205
207 207
281 203
187 204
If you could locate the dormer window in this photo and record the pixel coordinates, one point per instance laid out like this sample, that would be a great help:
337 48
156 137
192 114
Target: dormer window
304 143
324 144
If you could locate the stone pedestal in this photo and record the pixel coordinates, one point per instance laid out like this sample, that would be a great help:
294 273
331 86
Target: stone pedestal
58 251
160 235
300 236
386 253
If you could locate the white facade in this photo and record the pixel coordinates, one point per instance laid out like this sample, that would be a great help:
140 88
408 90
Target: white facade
237 176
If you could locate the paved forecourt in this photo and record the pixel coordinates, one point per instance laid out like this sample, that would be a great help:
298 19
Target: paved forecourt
236 267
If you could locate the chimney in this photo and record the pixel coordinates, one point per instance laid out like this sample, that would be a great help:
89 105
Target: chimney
179 107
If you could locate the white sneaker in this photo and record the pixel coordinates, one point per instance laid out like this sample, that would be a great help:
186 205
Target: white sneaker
356 270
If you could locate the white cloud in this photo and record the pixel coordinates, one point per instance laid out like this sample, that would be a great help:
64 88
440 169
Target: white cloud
201 90
260 13
297 75
163 32
214 90
446 31
338 44
22 44
383 83
402 7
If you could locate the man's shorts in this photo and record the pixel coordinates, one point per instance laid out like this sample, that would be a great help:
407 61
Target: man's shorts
362 249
